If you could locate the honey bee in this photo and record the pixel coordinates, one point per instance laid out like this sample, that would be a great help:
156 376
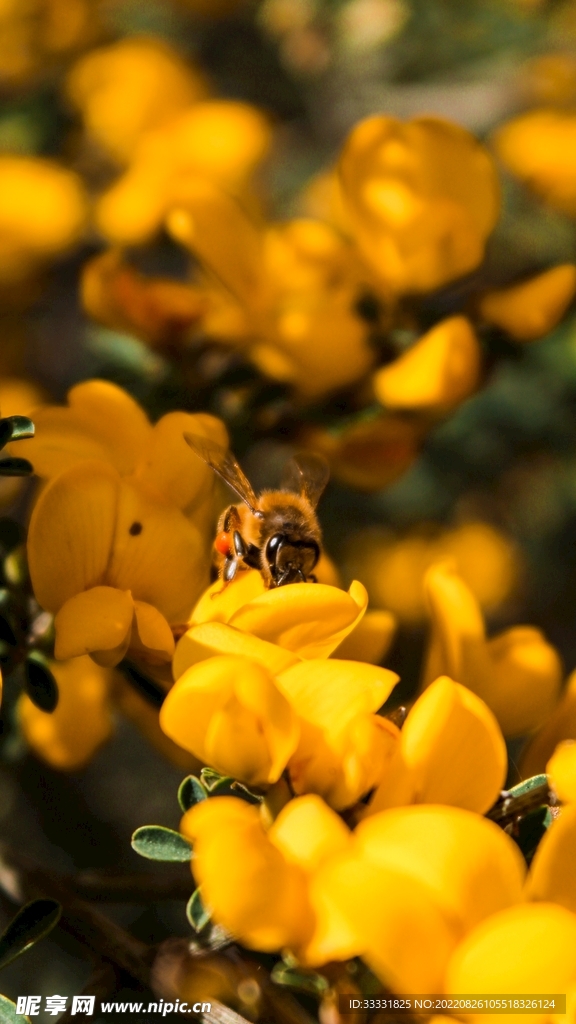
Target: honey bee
276 532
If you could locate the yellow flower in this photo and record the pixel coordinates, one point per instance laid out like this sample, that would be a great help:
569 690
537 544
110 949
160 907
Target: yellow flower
156 309
220 140
392 569
371 453
551 877
125 89
523 949
414 881
310 619
436 373
229 712
258 709
70 736
531 309
421 199
118 541
540 148
517 673
561 770
451 751
291 298
260 893
43 212
561 725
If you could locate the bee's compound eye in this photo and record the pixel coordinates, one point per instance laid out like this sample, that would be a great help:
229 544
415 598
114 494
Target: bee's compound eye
273 546
222 543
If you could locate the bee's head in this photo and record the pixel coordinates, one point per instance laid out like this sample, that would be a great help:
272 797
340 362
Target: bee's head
290 561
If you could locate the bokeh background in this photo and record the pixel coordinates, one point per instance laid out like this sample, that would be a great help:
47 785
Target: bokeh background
493 485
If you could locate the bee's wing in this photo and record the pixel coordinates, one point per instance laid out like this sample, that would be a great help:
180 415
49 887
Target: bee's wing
225 465
306 474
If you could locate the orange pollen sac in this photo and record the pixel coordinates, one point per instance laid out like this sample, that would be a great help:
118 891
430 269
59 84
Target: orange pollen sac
222 543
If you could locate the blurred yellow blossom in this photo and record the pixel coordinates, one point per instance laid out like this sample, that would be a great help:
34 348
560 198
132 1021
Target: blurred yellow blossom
371 452
561 725
533 308
256 711
220 140
421 199
540 148
158 310
43 210
118 542
290 302
392 569
33 35
551 875
517 673
436 373
125 89
451 751
68 737
561 770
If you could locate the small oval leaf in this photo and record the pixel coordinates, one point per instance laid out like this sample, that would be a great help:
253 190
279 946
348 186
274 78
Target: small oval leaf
197 914
8 1013
300 980
31 924
21 427
15 467
40 684
158 843
190 792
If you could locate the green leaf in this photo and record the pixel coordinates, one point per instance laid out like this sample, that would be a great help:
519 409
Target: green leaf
15 467
16 566
527 786
210 777
158 843
21 426
190 792
225 785
8 1013
31 924
40 684
197 914
301 981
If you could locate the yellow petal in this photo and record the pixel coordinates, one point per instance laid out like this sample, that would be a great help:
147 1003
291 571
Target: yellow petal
561 770
251 889
426 843
331 693
307 832
525 681
551 876
457 646
310 619
71 533
529 948
453 748
101 422
370 640
228 711
533 308
70 736
158 554
384 915
169 470
219 603
560 726
97 621
436 373
213 638
151 634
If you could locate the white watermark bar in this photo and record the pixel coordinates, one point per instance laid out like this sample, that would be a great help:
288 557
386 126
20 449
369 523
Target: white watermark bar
457 1004
85 1005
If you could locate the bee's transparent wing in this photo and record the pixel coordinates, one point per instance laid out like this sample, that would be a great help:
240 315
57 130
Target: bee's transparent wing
222 461
306 474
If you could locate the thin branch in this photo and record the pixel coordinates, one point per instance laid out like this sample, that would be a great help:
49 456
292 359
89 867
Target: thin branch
133 888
